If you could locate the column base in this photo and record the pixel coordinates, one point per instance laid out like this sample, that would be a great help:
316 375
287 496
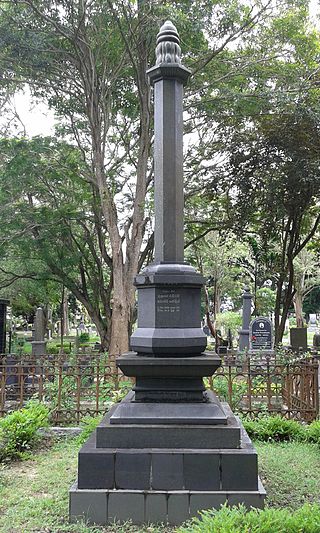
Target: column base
162 473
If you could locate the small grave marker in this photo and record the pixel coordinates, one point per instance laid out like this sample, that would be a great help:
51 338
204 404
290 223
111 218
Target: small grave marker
261 337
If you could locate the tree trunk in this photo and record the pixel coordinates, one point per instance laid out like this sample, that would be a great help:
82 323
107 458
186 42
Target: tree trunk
297 302
65 313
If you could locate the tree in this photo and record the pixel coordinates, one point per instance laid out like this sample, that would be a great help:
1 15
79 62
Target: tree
280 173
88 61
52 225
306 278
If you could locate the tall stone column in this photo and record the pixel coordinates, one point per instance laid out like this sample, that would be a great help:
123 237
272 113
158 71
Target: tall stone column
246 318
169 291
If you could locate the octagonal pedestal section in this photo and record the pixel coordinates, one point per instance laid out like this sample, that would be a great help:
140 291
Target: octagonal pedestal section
152 473
169 311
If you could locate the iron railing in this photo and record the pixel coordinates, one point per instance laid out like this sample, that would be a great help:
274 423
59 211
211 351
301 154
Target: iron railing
86 384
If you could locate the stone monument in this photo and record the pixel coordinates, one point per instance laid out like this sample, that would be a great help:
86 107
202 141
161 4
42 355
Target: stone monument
246 318
39 345
170 448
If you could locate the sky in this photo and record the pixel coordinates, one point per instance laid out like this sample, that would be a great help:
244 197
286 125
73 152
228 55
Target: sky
39 120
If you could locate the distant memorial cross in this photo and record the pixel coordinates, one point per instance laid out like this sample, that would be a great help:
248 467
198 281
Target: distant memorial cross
170 448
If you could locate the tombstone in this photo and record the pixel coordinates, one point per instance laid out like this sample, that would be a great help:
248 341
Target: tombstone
298 339
313 324
170 447
246 317
3 325
316 341
261 337
39 345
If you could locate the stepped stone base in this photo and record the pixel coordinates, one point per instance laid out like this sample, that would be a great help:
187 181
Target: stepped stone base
144 472
102 506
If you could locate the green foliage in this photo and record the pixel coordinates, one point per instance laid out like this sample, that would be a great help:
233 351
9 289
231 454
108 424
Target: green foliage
18 430
274 428
220 386
313 432
88 424
229 319
110 393
237 520
67 393
54 349
84 337
265 301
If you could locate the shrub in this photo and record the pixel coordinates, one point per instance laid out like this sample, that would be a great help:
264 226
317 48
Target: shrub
84 337
88 424
313 432
237 520
221 387
274 428
18 430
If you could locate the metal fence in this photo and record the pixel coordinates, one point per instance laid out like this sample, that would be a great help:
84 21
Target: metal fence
254 387
86 384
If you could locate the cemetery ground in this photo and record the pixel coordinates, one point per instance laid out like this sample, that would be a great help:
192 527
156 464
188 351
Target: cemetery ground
34 491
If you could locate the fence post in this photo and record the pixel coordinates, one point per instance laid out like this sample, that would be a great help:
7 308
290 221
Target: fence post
78 392
269 392
230 385
41 370
21 383
249 385
59 391
289 391
97 383
316 386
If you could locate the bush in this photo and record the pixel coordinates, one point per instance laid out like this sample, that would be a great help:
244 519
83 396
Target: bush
274 428
237 520
88 424
84 337
221 388
313 432
18 430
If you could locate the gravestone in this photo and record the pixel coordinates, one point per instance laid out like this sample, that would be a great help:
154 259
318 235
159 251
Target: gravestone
39 345
170 448
313 324
246 317
298 339
261 337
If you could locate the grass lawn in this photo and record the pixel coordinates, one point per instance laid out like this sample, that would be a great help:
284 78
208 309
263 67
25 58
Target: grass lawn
34 493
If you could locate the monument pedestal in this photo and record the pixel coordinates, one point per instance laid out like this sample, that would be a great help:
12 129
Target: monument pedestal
160 472
163 462
38 348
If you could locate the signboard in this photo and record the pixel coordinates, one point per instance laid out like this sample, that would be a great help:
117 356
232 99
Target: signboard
261 334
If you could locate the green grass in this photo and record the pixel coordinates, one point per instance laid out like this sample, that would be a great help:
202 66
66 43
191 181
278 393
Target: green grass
290 472
34 493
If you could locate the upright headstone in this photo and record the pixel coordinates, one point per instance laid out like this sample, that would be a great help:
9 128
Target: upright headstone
246 318
313 324
261 337
39 344
298 339
170 447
